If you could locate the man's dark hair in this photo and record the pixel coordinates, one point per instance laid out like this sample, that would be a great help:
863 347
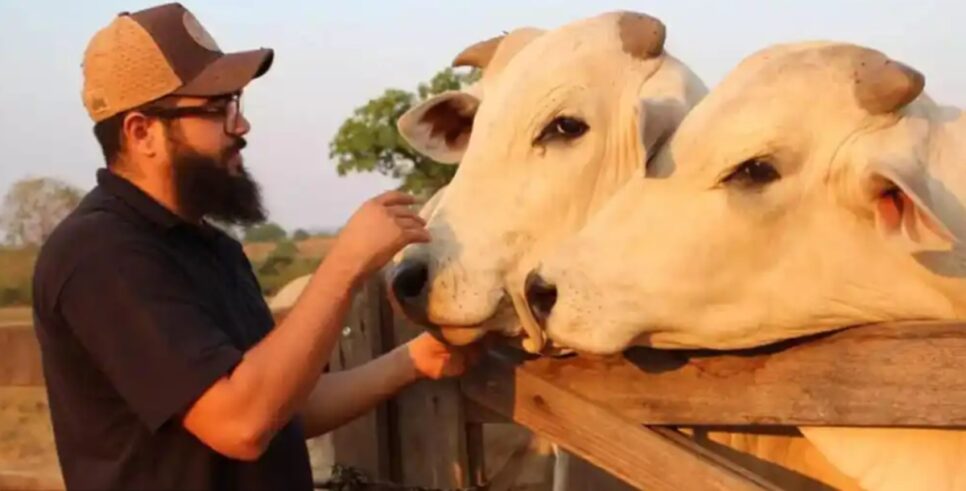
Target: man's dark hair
110 137
110 132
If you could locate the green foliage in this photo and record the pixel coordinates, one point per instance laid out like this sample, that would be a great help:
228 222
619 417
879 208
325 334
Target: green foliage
283 265
369 142
265 232
300 234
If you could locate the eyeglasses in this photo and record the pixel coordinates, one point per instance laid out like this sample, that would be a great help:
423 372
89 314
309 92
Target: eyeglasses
230 107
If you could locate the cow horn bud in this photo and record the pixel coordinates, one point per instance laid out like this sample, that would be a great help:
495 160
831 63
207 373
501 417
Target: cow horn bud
883 85
479 54
642 36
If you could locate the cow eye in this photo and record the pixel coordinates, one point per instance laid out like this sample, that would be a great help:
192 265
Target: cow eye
563 128
752 173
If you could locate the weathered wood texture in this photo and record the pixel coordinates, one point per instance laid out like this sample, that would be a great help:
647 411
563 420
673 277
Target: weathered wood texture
908 374
430 428
364 442
638 455
418 438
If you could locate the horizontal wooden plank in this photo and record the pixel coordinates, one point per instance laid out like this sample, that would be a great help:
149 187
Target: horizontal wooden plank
638 455
902 374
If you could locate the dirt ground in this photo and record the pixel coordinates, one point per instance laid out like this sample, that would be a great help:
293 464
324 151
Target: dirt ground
28 458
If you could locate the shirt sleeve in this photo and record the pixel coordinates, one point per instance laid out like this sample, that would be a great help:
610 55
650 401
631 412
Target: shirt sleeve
134 310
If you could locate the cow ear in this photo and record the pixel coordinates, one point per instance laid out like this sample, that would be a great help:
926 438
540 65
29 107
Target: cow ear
440 127
658 119
664 100
912 208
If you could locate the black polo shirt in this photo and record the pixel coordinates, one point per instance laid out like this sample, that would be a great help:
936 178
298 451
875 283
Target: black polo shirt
137 313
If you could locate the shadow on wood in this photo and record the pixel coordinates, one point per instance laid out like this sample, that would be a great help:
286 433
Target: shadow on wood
907 374
640 456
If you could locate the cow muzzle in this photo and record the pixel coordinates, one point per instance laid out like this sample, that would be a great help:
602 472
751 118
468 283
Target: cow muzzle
541 296
408 293
407 288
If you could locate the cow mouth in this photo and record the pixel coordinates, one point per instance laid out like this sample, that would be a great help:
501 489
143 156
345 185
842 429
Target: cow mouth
458 335
531 337
512 309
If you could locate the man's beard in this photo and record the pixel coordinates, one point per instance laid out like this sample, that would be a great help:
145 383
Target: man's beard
205 187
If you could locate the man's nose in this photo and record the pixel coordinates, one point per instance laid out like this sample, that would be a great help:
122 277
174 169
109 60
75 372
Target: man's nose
242 126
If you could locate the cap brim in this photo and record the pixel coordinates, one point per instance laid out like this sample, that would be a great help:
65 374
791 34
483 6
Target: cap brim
230 73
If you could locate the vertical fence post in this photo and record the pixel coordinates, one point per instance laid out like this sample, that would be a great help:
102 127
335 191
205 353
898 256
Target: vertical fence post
364 442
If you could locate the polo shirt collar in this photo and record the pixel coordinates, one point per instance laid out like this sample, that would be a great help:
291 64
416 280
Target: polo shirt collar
138 200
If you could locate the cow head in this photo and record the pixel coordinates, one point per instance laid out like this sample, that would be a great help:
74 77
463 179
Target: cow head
561 118
815 188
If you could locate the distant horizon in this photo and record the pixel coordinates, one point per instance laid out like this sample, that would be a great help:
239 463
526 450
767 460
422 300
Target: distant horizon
332 58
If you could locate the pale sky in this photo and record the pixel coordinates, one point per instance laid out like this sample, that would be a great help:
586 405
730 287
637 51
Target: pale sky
333 56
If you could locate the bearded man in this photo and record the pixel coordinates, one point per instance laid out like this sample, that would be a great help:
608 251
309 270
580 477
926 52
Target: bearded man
163 365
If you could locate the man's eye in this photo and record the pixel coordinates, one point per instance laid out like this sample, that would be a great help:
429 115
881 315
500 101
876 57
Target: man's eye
562 128
752 174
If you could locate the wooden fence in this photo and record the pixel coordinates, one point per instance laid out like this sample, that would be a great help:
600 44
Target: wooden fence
620 413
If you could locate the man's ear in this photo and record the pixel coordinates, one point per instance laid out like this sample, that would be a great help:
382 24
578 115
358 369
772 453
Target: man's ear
139 136
440 127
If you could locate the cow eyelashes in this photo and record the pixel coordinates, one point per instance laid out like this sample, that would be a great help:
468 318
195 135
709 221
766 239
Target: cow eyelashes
750 174
564 128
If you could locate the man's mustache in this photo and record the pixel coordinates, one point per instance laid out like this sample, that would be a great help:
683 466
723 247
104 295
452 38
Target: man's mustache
236 147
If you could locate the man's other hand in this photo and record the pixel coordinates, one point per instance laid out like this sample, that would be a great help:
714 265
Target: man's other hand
432 359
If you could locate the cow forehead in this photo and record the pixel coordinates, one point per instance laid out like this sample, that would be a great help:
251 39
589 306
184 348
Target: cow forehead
796 76
786 96
578 53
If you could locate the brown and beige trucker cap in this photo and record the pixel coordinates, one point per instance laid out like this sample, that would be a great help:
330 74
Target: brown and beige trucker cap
161 51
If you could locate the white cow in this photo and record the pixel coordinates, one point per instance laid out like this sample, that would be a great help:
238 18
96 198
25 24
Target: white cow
560 120
815 188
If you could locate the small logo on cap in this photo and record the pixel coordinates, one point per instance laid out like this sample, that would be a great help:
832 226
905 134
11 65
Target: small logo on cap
198 32
98 104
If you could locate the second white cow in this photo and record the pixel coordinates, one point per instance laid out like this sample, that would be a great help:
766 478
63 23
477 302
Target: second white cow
816 188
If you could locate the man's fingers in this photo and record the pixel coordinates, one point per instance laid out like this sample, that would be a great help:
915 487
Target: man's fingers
402 211
392 198
407 223
411 235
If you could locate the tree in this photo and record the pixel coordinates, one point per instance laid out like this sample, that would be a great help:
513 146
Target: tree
369 142
33 207
266 232
300 234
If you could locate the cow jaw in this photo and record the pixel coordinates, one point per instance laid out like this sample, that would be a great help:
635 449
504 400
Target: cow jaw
460 335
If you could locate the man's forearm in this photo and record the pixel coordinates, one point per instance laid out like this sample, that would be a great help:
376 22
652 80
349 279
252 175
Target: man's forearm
276 376
339 397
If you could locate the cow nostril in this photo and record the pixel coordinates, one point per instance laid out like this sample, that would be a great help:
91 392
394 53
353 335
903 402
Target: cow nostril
410 279
541 297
